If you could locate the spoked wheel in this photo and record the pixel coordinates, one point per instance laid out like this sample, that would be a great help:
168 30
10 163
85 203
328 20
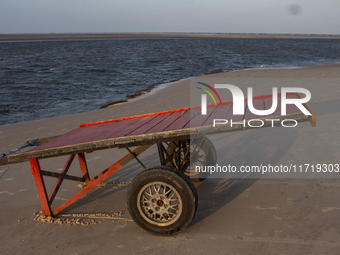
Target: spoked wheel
162 200
199 151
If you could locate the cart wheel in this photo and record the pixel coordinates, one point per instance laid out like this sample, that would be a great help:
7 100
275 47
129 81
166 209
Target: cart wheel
202 153
162 200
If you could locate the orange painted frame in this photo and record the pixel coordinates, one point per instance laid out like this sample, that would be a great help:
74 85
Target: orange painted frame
46 201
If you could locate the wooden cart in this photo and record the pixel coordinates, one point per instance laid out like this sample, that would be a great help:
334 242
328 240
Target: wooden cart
161 199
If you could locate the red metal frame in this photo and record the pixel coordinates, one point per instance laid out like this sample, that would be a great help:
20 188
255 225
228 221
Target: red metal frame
61 179
39 182
46 201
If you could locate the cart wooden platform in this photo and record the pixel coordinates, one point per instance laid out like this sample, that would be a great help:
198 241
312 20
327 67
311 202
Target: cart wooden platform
160 199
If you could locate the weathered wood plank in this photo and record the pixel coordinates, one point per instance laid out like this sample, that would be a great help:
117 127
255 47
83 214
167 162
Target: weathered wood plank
164 124
75 136
268 102
40 141
220 112
197 119
153 128
258 105
154 122
124 130
235 118
181 121
291 108
145 139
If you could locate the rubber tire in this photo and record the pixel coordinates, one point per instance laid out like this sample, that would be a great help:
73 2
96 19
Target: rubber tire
178 181
211 158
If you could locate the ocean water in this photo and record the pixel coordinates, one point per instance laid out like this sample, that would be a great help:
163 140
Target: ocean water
44 79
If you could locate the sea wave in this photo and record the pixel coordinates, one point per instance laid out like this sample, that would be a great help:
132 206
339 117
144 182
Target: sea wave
52 78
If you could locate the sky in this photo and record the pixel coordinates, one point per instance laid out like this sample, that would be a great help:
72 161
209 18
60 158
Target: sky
195 16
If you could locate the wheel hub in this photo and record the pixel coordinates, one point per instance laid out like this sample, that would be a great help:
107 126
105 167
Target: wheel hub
159 203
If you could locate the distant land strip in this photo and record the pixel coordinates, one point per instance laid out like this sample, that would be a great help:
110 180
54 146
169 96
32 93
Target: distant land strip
108 36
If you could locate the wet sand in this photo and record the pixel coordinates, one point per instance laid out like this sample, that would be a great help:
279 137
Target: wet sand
235 216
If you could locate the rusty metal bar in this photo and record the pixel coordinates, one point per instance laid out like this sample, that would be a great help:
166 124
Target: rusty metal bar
136 158
61 178
83 167
178 155
58 175
184 166
161 154
186 150
101 177
39 182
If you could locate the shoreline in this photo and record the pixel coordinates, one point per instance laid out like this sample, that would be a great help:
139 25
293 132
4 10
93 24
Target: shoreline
154 88
110 36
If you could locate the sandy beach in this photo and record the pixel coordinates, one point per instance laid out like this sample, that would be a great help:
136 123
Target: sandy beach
235 216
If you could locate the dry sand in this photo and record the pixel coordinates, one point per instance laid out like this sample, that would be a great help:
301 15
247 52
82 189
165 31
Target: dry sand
250 216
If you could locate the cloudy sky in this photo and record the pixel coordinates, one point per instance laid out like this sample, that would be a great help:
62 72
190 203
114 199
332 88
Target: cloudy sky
213 16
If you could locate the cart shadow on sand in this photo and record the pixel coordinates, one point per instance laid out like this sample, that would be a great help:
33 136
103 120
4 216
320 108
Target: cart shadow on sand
252 148
255 147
